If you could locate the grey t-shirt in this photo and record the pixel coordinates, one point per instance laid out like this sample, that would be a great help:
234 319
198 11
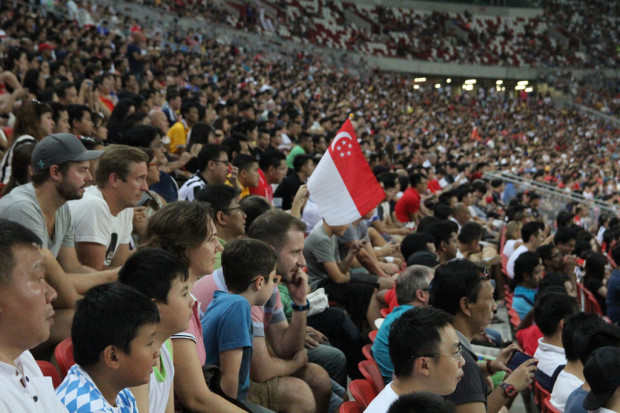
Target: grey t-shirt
22 206
319 248
357 232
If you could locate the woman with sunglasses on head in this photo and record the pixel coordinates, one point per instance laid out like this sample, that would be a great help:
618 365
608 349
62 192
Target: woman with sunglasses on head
186 230
33 122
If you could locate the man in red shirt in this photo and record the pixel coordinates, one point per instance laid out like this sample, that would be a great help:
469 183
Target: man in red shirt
408 206
272 171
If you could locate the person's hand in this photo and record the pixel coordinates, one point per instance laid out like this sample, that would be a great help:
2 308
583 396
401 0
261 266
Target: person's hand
298 287
301 358
185 157
389 268
356 246
232 176
139 219
499 364
314 337
389 248
385 283
403 231
523 375
302 195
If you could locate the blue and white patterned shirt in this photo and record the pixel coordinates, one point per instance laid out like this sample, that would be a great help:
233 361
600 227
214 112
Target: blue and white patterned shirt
80 394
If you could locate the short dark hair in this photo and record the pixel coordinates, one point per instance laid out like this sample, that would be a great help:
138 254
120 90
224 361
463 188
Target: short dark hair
577 332
76 112
209 152
270 158
563 219
187 105
526 263
141 135
564 235
152 271
441 231
243 259
595 266
551 308
109 314
61 89
553 280
272 226
414 334
253 206
415 242
454 280
615 254
607 335
421 402
470 231
218 196
531 228
301 160
545 251
416 178
244 161
12 235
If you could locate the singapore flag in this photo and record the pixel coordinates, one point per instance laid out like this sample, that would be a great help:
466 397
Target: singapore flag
342 185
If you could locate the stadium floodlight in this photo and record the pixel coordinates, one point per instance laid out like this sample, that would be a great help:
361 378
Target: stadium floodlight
499 82
522 83
529 89
448 80
468 87
419 79
470 82
503 89
437 86
416 87
519 87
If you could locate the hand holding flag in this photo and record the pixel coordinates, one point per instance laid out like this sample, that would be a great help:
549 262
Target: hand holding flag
342 185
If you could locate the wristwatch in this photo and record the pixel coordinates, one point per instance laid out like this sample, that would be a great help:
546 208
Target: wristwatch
509 390
296 307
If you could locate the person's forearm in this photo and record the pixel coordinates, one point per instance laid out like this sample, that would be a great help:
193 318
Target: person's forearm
345 264
496 400
82 282
367 258
293 339
274 367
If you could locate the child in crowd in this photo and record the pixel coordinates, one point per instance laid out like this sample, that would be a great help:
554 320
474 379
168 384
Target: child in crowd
249 268
163 278
113 336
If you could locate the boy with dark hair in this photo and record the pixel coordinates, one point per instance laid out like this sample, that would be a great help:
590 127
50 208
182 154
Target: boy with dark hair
114 347
248 173
550 313
445 235
272 170
178 132
528 272
418 241
249 268
303 165
162 277
426 354
213 168
422 402
409 207
80 120
532 236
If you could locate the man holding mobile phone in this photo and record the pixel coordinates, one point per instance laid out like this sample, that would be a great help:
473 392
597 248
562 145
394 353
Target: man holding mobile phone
463 290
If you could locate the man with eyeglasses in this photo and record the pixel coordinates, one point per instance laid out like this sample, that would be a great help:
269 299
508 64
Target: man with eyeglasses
463 290
426 354
213 169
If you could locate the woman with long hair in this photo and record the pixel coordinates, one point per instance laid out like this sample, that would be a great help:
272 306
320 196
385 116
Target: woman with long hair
122 109
33 123
595 278
21 171
186 230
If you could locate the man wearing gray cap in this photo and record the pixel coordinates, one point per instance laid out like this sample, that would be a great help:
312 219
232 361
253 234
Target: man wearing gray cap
61 173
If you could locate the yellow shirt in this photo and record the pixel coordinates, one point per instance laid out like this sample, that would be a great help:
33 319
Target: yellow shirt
178 136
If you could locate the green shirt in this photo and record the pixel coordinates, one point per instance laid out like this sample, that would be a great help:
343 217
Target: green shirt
286 299
297 150
218 255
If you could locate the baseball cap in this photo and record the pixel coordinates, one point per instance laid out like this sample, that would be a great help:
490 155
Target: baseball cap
60 148
602 372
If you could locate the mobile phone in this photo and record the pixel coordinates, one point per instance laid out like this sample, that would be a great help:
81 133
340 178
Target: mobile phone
517 358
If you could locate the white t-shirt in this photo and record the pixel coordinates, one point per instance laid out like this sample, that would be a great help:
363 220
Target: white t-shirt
549 357
24 389
160 384
564 385
383 401
509 247
510 267
94 222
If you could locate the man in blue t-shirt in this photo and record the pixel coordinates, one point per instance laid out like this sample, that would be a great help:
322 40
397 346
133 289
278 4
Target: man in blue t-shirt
412 291
528 272
249 268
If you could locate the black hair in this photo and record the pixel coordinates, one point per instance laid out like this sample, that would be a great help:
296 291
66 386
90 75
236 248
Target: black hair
76 112
421 402
470 231
244 162
415 334
219 197
427 221
526 263
615 254
61 89
141 135
607 335
415 242
57 109
595 266
187 105
530 229
545 251
564 235
442 231
563 219
576 333
270 158
152 271
551 308
553 280
12 235
454 280
209 152
253 206
416 178
300 161
442 211
243 259
109 315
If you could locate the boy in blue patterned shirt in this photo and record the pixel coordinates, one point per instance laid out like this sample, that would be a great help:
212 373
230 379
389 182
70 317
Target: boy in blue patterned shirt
113 335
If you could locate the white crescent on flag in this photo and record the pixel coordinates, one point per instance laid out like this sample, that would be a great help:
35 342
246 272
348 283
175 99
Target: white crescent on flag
341 135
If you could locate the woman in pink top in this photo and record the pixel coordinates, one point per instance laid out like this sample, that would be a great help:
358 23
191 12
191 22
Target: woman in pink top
186 230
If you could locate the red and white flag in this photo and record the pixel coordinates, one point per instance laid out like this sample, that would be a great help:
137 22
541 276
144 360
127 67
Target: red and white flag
342 185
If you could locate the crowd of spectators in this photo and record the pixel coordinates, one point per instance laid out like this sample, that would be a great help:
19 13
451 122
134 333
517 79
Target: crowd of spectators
121 152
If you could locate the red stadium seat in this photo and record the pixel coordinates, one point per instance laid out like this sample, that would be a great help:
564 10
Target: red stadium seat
589 303
367 351
49 370
370 371
351 407
547 407
540 394
64 356
384 312
362 391
372 335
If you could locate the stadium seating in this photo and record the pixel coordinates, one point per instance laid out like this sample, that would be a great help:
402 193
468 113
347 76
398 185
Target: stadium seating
370 371
64 356
49 370
362 391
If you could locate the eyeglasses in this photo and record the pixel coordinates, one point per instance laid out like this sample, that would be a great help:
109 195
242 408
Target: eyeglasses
233 208
485 273
276 278
153 164
224 162
456 355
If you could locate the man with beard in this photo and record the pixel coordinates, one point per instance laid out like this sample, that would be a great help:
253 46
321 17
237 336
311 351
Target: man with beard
61 173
